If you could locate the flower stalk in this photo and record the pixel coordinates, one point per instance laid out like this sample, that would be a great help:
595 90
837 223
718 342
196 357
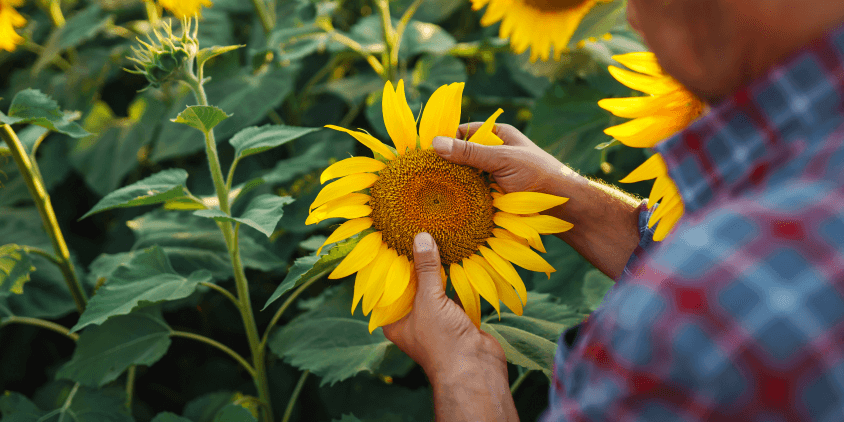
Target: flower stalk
48 216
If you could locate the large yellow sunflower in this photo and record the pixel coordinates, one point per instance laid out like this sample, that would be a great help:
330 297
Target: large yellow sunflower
9 20
668 109
185 8
388 199
538 24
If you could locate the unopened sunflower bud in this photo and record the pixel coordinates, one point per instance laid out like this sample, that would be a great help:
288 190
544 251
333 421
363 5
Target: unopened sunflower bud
160 59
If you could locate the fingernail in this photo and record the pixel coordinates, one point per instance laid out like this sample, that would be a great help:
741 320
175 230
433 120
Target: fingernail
423 242
443 145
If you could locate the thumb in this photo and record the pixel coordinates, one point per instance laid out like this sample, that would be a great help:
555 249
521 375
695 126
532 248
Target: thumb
426 259
479 156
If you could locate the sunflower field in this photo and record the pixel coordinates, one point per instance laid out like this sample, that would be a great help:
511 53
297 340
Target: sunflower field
164 227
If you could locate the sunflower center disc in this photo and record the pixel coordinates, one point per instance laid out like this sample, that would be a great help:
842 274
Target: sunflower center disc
422 192
553 5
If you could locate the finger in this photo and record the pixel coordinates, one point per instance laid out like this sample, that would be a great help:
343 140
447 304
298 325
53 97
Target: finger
487 158
510 135
426 259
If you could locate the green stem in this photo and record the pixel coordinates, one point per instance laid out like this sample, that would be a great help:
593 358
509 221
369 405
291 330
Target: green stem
230 177
403 22
518 382
354 45
294 396
259 373
264 15
56 13
130 387
52 326
389 37
287 304
218 345
37 251
48 216
223 291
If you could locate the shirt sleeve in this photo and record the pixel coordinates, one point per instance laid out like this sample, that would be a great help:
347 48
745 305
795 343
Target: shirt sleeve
646 238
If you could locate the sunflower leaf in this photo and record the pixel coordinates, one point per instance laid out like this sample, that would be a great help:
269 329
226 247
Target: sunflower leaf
202 118
104 352
254 140
33 106
523 348
262 214
160 187
15 267
205 54
169 417
311 266
234 413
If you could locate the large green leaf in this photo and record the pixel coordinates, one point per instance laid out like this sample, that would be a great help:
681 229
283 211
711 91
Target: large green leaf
104 352
234 413
81 27
206 407
396 403
311 266
193 243
523 348
169 417
201 118
261 214
544 316
254 140
148 278
250 96
155 189
15 267
33 106
72 403
330 342
600 20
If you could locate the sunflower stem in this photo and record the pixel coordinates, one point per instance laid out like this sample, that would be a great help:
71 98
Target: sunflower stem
230 235
518 382
130 387
220 346
294 396
264 15
287 304
389 38
48 217
49 325
400 28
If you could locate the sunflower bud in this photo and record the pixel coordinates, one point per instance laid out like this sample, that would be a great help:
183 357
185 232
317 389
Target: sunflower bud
161 59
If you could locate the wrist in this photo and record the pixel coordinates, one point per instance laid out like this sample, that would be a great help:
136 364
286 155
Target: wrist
478 356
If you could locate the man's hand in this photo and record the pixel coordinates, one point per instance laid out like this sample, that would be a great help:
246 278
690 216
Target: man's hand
466 366
605 219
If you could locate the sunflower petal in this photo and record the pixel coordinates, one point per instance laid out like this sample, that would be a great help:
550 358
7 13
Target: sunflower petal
385 315
466 293
527 202
378 279
652 168
368 141
506 270
520 255
668 222
546 224
441 115
349 166
347 230
348 211
482 283
398 277
642 62
484 134
398 118
506 234
512 223
647 131
505 291
363 253
344 186
333 206
362 279
645 83
668 203
661 187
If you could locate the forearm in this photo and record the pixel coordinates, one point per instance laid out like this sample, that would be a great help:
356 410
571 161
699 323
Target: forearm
472 393
606 229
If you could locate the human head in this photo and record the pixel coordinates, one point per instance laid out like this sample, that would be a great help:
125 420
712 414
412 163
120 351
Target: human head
714 47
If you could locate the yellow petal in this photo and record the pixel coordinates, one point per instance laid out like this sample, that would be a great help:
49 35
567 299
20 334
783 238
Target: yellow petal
398 118
347 230
661 186
642 62
668 222
546 224
385 315
349 166
647 131
368 141
505 234
340 207
505 291
465 293
645 83
527 202
362 278
363 253
482 283
673 103
520 255
667 204
506 270
441 115
512 223
344 186
652 168
378 279
484 135
398 277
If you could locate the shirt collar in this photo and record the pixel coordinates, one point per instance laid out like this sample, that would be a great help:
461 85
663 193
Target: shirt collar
745 137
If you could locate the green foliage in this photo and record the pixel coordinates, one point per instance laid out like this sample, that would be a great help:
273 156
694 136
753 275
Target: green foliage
202 118
32 106
234 413
262 213
158 188
104 352
15 267
81 404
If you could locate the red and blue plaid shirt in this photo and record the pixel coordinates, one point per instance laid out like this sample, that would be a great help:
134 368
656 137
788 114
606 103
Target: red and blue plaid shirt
739 314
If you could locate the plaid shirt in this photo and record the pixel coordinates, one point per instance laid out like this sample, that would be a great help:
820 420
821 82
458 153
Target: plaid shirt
739 314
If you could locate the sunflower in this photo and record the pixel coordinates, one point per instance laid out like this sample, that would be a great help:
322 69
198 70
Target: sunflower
185 8
668 109
388 199
9 20
539 24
